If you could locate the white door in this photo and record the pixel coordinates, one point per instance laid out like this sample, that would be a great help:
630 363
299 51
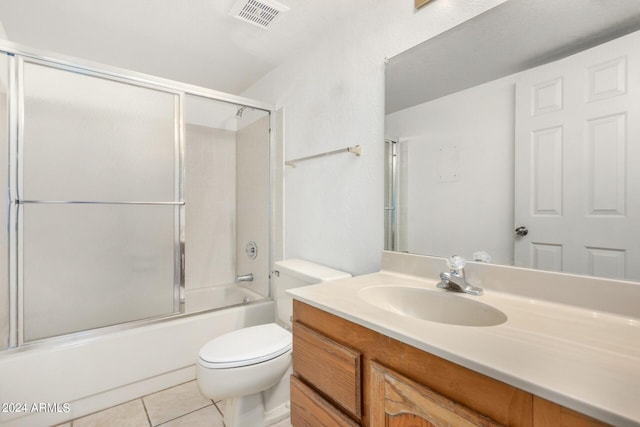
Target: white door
577 155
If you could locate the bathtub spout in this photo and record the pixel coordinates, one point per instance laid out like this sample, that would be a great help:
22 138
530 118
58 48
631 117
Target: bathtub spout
245 278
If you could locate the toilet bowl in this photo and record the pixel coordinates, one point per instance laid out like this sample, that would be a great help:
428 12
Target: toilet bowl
249 368
245 363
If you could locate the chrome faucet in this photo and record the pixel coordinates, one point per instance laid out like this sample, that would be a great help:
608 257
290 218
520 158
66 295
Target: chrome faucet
455 280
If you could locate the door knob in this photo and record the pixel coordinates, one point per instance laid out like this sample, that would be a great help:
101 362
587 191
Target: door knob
522 231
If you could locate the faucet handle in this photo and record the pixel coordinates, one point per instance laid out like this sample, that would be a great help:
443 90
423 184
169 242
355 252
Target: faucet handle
456 263
444 276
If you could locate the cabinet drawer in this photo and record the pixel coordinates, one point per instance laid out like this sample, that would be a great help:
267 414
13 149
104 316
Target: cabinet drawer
316 356
309 409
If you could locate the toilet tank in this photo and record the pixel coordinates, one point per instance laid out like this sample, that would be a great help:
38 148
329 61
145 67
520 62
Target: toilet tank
293 273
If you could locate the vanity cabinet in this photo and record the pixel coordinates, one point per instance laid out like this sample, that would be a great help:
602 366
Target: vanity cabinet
332 368
549 414
348 375
309 408
398 401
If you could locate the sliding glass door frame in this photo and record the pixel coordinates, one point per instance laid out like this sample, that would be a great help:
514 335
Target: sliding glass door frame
17 57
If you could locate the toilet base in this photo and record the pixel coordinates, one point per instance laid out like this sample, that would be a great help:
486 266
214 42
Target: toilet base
259 409
277 414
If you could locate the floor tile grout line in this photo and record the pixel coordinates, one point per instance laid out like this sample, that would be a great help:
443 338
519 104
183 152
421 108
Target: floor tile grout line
73 420
146 412
183 415
179 416
142 400
167 388
218 408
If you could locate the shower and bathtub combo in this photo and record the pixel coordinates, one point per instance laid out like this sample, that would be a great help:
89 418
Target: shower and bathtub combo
132 206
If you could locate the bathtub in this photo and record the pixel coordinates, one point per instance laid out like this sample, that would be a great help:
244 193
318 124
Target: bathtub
201 299
53 382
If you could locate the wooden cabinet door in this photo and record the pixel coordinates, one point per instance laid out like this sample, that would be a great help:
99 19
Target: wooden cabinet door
331 368
397 401
309 409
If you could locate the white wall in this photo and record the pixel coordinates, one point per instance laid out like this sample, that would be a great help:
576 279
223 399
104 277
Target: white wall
333 95
476 126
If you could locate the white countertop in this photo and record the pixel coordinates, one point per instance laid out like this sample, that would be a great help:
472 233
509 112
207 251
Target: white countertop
585 360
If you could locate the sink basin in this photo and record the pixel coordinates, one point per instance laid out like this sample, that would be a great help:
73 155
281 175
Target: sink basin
432 305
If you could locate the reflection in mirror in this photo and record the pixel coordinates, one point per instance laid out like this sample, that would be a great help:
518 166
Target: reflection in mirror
526 117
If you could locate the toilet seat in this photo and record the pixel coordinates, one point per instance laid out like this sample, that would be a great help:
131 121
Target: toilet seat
244 347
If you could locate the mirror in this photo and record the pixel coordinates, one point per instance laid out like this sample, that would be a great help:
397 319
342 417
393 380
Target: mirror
512 139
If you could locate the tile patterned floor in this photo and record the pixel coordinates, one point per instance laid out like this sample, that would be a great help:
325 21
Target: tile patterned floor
182 405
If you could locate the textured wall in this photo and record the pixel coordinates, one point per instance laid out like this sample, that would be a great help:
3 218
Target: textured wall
333 96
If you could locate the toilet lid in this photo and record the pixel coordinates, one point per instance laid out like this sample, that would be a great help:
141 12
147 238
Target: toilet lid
246 346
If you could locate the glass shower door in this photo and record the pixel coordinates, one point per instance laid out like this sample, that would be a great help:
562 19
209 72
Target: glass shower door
99 201
5 300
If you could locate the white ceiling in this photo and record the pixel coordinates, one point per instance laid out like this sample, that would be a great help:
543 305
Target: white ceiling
192 41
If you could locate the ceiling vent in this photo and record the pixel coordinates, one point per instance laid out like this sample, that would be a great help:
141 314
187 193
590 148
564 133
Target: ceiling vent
258 12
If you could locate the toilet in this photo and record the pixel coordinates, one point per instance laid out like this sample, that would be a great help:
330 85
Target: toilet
249 368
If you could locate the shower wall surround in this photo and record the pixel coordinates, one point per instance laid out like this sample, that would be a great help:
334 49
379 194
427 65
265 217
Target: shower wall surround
211 190
253 204
227 204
